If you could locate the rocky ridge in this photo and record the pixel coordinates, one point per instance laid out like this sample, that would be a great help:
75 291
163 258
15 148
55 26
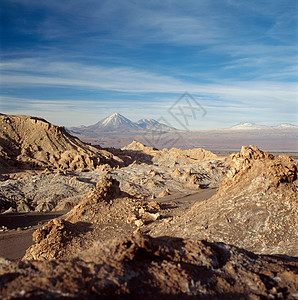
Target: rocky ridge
255 207
31 144
168 157
142 175
103 214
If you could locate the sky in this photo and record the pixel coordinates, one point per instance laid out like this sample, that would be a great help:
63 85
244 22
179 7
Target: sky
75 62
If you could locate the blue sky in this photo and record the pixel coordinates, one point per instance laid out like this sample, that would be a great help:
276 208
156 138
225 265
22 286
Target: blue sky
75 62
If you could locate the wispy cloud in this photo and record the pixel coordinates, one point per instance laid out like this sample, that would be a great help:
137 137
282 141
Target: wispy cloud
238 57
278 97
124 79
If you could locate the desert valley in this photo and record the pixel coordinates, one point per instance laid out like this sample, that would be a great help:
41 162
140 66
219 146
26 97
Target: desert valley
90 221
148 149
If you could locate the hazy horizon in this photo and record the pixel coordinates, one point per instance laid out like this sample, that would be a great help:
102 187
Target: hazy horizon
76 62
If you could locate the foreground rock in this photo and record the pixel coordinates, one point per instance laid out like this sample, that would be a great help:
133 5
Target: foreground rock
142 267
105 213
255 207
31 144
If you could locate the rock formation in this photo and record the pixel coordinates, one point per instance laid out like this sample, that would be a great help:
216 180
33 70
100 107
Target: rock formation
141 267
105 213
29 144
255 207
117 242
165 157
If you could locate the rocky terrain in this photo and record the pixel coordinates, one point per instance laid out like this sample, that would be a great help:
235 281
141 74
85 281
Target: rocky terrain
153 268
31 144
147 172
254 208
144 222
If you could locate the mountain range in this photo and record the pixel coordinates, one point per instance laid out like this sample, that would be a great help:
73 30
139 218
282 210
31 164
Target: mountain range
118 131
254 126
118 123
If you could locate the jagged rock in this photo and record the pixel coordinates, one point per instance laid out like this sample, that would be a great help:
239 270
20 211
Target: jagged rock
94 218
31 144
255 207
142 267
45 206
107 188
23 207
167 157
164 193
151 216
276 169
153 206
139 223
51 240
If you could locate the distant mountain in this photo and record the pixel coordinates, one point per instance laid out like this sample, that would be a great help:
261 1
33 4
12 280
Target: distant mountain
249 126
115 122
254 126
286 126
153 124
118 123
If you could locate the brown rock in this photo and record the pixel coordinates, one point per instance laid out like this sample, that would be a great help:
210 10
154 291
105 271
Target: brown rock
31 143
255 207
142 267
164 193
51 240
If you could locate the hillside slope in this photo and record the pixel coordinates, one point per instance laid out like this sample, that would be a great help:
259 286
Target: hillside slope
256 206
30 143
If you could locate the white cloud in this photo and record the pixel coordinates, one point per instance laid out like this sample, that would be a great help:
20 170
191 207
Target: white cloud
276 98
125 79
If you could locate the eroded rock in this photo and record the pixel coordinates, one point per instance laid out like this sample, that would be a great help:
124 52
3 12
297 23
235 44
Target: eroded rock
144 267
256 206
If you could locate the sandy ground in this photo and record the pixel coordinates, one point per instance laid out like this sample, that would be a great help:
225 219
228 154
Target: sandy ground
18 236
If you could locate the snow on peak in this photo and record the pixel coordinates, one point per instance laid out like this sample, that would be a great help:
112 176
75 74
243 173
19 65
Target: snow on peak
151 124
248 126
117 122
286 126
253 126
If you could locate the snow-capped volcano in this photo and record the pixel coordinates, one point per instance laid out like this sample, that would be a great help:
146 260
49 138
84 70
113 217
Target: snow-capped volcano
249 126
115 122
118 123
286 126
254 126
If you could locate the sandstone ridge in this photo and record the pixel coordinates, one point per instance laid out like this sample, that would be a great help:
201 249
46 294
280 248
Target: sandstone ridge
255 207
31 143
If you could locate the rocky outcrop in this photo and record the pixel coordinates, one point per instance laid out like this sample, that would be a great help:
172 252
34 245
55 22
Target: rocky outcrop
165 157
52 239
256 206
105 213
251 163
153 268
30 143
105 191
